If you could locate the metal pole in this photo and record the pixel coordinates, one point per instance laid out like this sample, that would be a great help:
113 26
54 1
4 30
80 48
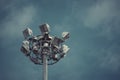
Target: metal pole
45 67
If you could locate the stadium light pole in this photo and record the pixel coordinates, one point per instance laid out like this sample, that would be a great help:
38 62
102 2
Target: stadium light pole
44 49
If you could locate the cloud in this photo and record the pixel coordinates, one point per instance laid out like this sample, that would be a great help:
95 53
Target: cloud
103 16
99 13
17 20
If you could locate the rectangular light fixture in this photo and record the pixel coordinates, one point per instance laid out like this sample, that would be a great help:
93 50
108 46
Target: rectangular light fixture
27 33
25 47
56 41
45 29
65 35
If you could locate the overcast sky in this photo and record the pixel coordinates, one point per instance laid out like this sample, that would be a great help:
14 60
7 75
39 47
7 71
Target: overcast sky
94 27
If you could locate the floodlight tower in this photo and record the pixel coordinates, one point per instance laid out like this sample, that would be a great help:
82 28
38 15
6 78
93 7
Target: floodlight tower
44 49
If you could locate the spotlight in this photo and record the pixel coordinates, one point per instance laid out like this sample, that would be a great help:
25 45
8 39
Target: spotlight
65 49
56 41
35 49
45 29
65 35
25 47
27 33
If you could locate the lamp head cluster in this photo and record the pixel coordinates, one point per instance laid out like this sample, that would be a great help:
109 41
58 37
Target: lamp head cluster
35 47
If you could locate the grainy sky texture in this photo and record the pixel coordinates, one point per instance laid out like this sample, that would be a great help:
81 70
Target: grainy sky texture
94 26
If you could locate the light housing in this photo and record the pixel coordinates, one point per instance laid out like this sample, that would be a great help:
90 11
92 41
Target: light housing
25 47
45 29
56 41
35 49
65 48
65 35
27 33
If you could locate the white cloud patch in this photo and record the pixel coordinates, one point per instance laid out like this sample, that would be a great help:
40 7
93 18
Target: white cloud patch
104 16
99 13
17 21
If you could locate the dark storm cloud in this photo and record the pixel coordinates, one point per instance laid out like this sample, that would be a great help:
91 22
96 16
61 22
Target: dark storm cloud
94 42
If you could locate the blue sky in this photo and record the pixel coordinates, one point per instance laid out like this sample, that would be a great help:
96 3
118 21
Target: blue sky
94 28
